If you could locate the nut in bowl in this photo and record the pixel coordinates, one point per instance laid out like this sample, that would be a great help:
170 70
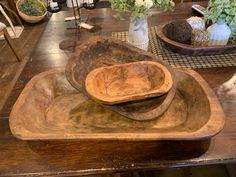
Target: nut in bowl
195 44
128 82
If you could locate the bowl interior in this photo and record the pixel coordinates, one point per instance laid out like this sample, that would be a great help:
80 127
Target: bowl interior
50 108
129 79
19 2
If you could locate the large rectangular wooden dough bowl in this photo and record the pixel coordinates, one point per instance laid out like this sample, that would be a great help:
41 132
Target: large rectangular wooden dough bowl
49 108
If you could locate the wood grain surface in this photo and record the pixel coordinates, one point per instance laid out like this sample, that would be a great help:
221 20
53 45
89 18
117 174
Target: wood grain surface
104 51
191 50
60 112
10 67
99 52
74 158
128 82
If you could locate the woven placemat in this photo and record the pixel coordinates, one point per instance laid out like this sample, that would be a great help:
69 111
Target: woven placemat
181 61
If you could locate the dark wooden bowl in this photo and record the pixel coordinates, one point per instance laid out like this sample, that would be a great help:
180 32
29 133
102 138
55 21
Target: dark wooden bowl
191 50
128 82
104 51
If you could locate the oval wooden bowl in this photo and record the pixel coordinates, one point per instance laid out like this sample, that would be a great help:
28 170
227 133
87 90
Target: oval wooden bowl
104 51
191 50
30 19
128 82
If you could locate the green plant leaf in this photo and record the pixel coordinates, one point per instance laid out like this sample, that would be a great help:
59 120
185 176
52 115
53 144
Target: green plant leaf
127 6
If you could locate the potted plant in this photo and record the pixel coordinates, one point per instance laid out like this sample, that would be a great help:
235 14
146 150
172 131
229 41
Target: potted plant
222 13
138 9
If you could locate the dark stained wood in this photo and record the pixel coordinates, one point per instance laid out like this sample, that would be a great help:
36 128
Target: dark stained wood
99 52
10 67
12 14
153 79
73 158
60 113
12 45
62 158
145 110
12 5
103 51
191 50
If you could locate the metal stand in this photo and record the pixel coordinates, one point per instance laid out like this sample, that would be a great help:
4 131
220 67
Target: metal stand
78 17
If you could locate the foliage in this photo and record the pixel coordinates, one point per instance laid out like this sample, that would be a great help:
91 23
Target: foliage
222 11
232 40
138 8
32 8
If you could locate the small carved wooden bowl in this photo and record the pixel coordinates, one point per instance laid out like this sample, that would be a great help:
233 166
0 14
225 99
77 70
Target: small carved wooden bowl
128 82
100 51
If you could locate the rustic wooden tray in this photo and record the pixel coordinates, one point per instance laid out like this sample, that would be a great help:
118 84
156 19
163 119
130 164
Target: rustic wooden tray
128 82
103 51
191 50
49 108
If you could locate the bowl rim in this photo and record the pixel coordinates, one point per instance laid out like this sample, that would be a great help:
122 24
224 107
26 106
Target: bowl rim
35 16
111 100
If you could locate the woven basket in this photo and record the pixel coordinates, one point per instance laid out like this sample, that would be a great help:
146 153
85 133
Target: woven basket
27 18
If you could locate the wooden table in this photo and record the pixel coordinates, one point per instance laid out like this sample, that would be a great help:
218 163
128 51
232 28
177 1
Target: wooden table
79 158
